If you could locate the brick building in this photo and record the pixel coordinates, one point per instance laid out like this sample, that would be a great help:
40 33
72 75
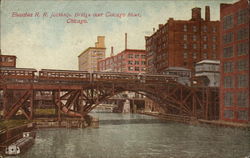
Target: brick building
234 48
182 43
87 60
129 60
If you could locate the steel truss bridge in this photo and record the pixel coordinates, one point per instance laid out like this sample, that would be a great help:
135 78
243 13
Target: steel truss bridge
76 93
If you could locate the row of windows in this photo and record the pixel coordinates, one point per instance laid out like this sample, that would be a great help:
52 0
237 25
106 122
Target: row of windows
242 115
228 21
242 49
240 65
242 81
241 99
241 34
136 62
195 55
205 46
131 68
194 38
195 29
136 56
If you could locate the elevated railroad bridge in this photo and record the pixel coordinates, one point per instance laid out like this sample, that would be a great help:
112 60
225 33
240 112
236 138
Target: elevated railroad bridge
76 93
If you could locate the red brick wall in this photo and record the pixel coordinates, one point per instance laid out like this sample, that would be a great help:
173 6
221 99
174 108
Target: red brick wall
227 9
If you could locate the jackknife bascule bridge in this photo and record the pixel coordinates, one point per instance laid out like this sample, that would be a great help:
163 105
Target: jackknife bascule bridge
76 93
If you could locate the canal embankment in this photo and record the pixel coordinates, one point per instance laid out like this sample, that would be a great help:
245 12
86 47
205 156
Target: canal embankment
194 121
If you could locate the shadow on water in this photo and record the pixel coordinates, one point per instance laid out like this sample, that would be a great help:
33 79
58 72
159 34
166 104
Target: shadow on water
132 121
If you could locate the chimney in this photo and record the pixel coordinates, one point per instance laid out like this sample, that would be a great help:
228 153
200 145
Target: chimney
196 13
112 51
100 42
126 38
153 29
207 13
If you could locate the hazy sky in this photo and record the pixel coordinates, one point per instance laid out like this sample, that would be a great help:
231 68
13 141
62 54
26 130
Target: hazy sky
51 42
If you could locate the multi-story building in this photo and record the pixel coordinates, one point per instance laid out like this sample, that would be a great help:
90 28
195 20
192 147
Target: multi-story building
87 60
129 60
234 48
182 43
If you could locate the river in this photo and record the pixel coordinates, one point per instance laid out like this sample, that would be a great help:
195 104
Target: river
140 136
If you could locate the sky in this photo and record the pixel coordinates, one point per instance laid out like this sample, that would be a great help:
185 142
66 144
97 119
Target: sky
54 42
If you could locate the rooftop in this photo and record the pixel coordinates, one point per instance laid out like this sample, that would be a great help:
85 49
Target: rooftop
209 62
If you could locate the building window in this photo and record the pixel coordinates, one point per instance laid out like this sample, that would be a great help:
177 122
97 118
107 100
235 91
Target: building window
228 52
227 38
194 56
137 56
242 81
143 56
143 62
185 46
205 46
242 34
228 114
185 55
185 27
130 68
242 48
130 62
242 115
242 65
242 16
137 69
194 37
228 82
204 38
228 67
214 38
213 29
227 22
228 99
194 46
137 63
214 56
204 28
184 37
204 55
194 29
242 99
130 56
214 46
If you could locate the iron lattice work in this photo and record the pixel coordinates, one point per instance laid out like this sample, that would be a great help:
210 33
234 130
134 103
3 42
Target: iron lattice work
76 93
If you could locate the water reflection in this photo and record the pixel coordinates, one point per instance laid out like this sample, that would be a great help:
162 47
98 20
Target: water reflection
138 136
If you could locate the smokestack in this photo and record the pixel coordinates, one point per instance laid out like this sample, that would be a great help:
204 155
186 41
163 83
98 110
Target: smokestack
160 26
207 13
196 13
153 29
112 51
126 38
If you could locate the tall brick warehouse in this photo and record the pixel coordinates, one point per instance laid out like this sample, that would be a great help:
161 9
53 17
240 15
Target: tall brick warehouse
182 43
234 48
